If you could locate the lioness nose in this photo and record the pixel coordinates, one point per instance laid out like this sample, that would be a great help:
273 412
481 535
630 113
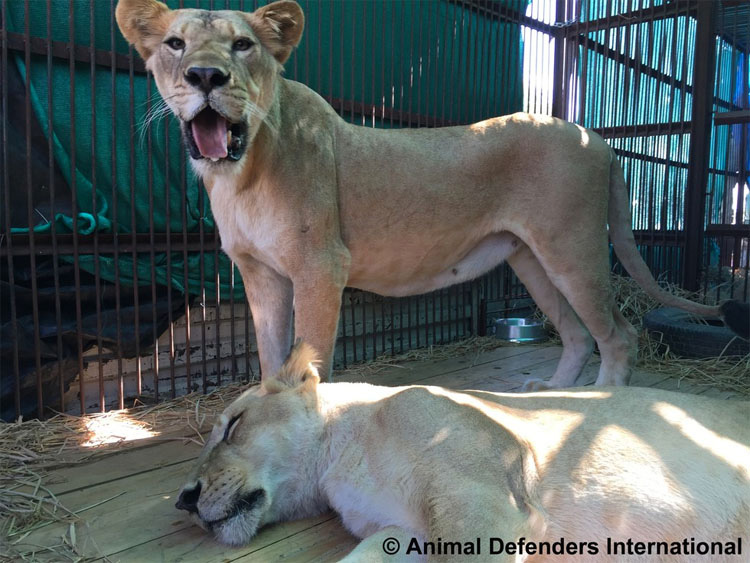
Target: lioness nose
206 78
189 498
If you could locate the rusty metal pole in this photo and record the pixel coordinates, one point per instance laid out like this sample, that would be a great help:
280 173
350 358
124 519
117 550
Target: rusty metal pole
700 139
558 90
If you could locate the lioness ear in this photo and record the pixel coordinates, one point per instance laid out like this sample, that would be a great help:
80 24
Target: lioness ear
279 27
143 23
298 369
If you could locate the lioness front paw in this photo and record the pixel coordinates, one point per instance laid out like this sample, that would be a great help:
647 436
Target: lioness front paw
535 385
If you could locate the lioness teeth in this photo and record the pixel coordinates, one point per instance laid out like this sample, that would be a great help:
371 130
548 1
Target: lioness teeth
229 137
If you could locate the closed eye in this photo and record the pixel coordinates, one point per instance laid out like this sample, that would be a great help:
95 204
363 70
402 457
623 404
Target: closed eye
229 427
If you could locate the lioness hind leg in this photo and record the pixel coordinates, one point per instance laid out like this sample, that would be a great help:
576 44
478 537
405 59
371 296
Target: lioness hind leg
630 350
577 341
587 288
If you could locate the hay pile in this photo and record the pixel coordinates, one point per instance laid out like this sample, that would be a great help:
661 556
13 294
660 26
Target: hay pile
726 373
30 450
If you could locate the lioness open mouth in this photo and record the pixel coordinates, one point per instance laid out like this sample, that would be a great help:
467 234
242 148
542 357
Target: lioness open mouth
210 135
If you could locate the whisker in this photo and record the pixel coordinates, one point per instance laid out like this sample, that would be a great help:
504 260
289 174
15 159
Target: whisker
153 117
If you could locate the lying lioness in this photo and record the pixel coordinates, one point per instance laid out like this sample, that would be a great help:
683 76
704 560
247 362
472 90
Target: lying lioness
425 464
307 204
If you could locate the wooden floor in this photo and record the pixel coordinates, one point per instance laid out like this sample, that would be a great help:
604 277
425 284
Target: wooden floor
129 496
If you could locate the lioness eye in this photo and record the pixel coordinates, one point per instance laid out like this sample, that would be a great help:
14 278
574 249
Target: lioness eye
175 43
242 45
229 427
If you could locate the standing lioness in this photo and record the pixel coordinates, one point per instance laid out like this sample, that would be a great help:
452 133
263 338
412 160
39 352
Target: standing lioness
307 204
582 466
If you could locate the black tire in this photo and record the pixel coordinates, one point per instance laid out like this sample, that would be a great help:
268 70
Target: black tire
693 337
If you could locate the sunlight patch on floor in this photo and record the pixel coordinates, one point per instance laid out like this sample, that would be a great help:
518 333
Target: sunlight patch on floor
114 427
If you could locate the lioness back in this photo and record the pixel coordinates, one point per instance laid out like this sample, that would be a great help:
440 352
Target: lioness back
639 462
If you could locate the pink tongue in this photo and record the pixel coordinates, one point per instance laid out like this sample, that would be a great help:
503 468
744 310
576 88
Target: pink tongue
210 134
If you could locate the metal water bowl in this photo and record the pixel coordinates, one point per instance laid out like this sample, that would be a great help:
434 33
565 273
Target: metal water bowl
520 330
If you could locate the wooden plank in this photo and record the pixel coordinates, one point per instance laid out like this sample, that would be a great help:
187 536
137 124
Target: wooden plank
502 376
681 385
121 465
408 373
142 504
327 542
190 544
516 368
642 378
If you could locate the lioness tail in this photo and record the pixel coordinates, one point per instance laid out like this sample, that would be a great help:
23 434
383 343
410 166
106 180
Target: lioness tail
735 314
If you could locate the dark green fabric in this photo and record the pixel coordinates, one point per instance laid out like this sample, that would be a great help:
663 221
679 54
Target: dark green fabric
350 50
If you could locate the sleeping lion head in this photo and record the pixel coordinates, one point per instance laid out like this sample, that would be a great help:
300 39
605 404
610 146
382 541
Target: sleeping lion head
258 465
216 70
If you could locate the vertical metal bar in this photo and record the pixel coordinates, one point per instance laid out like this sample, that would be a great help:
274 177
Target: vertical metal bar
363 33
392 106
427 74
94 209
341 111
152 256
186 274
248 369
461 52
30 209
115 208
451 75
415 67
133 224
637 168
670 182
319 50
331 89
202 268
233 318
472 78
350 70
651 207
6 201
217 320
168 232
483 31
558 96
723 161
446 68
373 101
695 202
383 103
682 118
493 56
74 201
582 97
662 26
352 310
53 211
363 99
